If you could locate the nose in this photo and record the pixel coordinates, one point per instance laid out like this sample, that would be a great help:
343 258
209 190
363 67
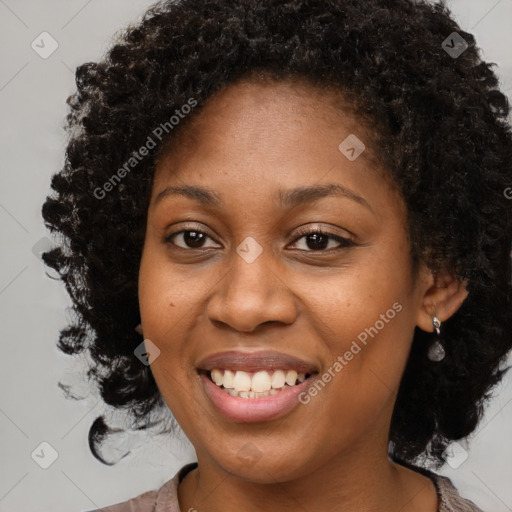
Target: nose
251 294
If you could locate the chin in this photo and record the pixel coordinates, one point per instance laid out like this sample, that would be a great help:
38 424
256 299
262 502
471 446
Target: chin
266 465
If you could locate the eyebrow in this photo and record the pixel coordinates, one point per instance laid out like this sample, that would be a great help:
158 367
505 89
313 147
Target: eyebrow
290 198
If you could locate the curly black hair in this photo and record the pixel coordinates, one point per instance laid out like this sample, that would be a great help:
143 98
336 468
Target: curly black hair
441 130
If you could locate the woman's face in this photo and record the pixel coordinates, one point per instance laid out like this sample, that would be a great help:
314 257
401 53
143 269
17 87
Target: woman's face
231 281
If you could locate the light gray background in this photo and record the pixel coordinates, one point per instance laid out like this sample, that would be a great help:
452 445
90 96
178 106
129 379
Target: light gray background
32 408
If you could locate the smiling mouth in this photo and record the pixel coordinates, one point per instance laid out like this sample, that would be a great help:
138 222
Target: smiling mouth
258 384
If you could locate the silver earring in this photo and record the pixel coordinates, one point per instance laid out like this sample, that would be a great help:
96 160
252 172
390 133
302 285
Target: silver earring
436 350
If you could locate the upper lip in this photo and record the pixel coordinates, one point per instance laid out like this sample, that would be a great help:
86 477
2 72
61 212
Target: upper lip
255 361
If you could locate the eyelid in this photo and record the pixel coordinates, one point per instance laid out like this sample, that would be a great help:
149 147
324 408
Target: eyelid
308 229
343 241
189 227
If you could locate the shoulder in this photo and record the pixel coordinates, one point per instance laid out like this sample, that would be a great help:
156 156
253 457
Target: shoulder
145 502
164 498
449 498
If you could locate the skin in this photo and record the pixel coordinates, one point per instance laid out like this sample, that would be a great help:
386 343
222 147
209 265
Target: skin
331 454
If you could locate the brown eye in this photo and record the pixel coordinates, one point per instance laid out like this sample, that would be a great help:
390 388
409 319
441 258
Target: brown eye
188 239
318 240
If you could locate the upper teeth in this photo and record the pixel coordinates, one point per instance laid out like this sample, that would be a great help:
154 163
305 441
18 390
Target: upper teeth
259 382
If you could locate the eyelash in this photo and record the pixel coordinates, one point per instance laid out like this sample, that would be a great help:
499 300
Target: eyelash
344 242
304 232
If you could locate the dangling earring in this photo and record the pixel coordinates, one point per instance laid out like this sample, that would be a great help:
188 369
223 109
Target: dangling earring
139 329
436 351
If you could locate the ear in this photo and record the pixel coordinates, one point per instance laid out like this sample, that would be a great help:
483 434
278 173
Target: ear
441 295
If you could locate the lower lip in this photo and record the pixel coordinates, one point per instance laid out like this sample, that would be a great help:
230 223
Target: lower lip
247 410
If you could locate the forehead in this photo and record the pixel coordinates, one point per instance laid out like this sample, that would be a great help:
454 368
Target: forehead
259 113
255 136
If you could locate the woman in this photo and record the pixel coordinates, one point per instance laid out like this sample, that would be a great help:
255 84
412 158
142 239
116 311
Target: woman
287 222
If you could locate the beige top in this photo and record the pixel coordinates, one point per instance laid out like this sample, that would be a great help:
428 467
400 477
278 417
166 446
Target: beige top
165 499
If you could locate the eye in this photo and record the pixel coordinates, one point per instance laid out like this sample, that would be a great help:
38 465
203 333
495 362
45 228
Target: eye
318 240
189 238
315 239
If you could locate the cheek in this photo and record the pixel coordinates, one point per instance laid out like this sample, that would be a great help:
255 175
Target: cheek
366 318
171 300
364 301
168 297
165 299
